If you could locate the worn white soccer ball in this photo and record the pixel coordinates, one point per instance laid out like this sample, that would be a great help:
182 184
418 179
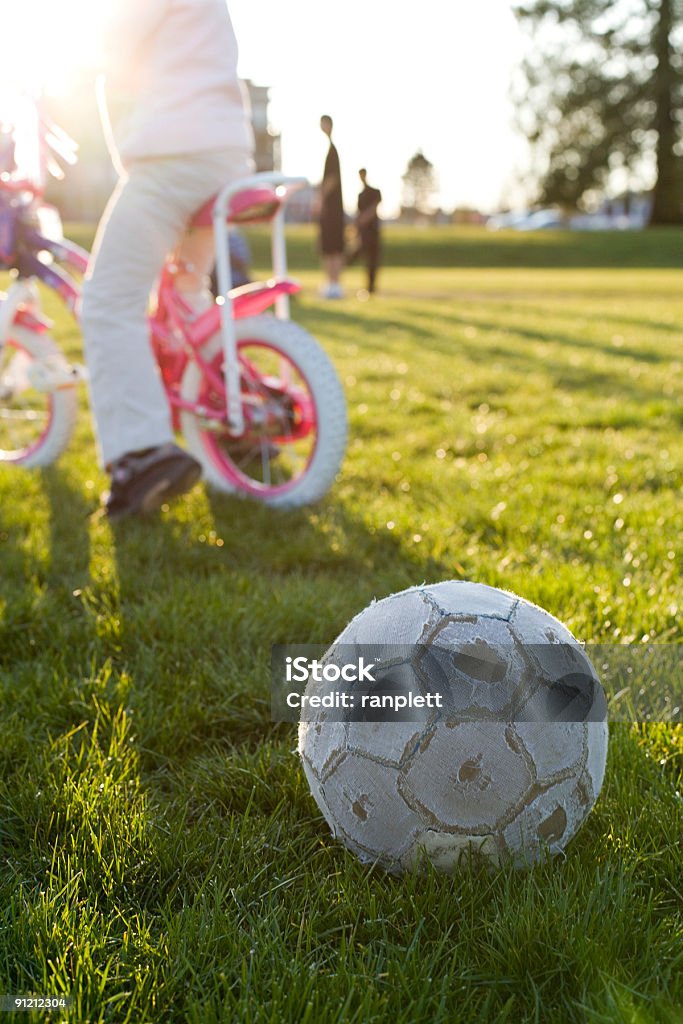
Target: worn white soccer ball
507 770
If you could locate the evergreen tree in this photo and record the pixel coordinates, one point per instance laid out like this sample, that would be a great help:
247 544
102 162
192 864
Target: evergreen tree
419 184
604 89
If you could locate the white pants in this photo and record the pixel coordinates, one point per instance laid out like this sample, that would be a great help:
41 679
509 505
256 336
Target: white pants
144 221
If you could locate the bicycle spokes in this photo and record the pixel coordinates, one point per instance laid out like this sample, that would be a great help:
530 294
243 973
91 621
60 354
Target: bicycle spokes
280 422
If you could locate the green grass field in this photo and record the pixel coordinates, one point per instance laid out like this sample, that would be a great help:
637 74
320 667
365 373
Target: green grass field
515 418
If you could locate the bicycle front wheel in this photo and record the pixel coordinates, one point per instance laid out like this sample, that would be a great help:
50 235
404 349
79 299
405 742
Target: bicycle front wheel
294 411
36 421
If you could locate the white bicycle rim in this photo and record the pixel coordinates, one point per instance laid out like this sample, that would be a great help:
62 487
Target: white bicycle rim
52 427
298 347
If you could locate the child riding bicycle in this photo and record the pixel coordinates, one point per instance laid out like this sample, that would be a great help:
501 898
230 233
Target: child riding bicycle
186 134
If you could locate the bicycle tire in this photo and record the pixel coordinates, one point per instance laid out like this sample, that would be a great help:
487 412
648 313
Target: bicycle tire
291 342
55 425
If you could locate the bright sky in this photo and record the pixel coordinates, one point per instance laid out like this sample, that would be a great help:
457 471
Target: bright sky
42 40
396 77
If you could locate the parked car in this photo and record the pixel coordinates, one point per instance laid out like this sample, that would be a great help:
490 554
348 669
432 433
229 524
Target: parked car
527 220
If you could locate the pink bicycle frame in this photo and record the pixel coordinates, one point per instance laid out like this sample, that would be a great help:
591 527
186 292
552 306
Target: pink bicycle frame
283 187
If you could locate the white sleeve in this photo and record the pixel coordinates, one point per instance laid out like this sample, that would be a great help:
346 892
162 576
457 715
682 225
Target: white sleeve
126 24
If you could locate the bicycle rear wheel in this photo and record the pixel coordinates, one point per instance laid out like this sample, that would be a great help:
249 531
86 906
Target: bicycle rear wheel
36 422
294 410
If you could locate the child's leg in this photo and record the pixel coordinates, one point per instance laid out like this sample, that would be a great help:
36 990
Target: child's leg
128 401
195 256
144 220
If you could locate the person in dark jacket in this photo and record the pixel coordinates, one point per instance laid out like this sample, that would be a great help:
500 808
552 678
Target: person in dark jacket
368 228
331 217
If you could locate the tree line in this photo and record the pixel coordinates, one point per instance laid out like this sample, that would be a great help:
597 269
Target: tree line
602 96
600 99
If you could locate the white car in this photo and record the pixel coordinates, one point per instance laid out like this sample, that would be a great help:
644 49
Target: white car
526 220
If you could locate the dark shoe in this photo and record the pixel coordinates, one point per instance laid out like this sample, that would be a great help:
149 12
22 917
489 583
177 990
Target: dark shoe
143 481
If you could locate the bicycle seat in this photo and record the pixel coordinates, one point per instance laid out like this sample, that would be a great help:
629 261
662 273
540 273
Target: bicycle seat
250 206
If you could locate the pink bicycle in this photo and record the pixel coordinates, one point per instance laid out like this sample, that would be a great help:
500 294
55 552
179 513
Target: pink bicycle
255 396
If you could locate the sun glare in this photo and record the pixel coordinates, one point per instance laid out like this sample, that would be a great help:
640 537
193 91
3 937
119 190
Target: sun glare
45 45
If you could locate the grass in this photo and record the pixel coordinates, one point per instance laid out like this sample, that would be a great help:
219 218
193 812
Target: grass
514 418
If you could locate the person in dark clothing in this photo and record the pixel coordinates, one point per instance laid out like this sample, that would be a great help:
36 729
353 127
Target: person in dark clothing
240 261
331 217
368 228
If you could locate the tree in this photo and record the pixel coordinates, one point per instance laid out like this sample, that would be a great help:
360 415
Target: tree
604 93
419 184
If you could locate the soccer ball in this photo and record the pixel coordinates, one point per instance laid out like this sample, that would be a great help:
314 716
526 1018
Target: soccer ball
507 769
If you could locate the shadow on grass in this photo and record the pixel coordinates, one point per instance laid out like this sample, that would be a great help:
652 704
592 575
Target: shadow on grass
69 528
553 337
267 545
664 326
368 335
197 620
39 576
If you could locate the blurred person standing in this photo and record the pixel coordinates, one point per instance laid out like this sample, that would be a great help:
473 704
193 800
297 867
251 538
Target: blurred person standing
368 228
331 220
171 66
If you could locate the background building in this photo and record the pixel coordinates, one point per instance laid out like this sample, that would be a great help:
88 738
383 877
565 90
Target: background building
267 148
